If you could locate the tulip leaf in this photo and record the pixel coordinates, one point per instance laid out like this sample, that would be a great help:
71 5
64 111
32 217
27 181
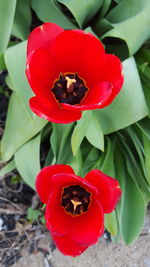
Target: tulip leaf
83 11
75 162
144 126
16 69
2 62
8 168
21 124
135 170
19 127
91 159
132 207
129 106
59 140
48 11
147 158
137 140
80 131
105 8
129 19
94 133
111 224
133 210
7 11
22 19
27 160
107 165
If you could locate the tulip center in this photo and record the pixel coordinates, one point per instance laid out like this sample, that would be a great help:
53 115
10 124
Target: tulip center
69 89
75 200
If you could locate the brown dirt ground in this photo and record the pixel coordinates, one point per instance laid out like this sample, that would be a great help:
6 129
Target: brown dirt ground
103 254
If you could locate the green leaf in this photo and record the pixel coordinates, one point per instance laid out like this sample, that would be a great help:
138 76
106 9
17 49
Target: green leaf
22 20
15 179
2 62
111 224
136 137
9 82
144 126
91 160
59 139
107 165
80 131
10 166
135 170
21 124
129 19
27 160
83 11
129 106
16 69
147 157
94 133
7 11
33 215
75 162
104 9
48 11
133 210
19 127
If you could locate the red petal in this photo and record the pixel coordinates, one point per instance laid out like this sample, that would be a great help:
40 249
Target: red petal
113 74
108 187
56 213
54 114
41 73
67 246
73 53
42 36
88 227
61 180
43 180
98 97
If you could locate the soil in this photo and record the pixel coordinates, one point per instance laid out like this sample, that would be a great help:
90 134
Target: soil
103 254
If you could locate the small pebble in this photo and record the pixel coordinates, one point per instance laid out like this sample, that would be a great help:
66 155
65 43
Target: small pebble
1 224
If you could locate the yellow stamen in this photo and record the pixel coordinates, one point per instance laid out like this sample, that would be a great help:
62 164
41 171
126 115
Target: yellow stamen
75 204
70 84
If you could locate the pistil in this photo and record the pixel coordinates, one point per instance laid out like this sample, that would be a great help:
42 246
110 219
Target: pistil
75 204
70 84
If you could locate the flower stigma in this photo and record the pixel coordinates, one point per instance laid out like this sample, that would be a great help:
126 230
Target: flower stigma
70 84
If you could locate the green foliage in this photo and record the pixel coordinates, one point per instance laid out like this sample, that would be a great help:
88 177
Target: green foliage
82 10
27 160
10 166
48 11
34 215
111 223
115 139
129 21
129 106
22 19
7 11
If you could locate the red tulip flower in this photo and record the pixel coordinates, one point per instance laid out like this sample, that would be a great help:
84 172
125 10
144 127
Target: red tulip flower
69 72
75 206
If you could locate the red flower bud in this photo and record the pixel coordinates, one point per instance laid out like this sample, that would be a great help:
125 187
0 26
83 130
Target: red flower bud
69 71
75 206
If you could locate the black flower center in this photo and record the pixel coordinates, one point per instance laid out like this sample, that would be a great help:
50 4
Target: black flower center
75 199
69 89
